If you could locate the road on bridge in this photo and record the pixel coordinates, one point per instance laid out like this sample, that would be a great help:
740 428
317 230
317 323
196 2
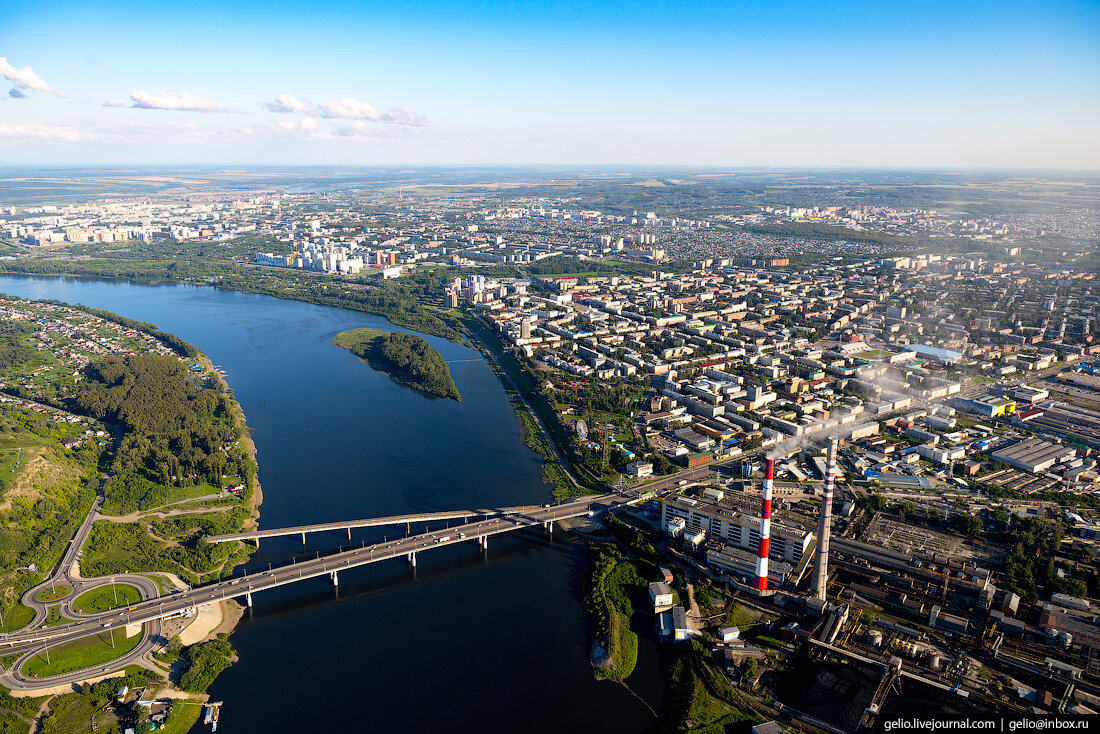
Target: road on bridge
153 610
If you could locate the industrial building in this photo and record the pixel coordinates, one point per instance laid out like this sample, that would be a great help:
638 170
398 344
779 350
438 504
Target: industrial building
734 561
964 582
660 594
988 406
721 520
1033 455
938 619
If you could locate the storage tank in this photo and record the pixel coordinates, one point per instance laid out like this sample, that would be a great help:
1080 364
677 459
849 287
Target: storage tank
874 638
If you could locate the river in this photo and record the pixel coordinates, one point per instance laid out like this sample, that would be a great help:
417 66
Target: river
466 642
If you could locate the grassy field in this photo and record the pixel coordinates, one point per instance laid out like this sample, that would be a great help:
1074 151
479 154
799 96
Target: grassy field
44 494
179 494
872 354
53 593
106 598
80 654
183 717
16 618
54 618
11 461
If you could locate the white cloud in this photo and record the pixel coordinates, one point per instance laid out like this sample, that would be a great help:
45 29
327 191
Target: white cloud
25 78
114 103
174 101
24 132
350 108
286 103
405 116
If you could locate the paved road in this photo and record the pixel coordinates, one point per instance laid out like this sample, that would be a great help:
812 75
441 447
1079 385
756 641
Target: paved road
66 573
13 678
563 462
693 475
153 610
365 523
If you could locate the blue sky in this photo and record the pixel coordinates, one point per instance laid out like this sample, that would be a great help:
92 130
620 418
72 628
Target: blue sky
961 84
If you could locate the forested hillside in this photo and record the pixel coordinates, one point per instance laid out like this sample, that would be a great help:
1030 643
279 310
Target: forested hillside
177 432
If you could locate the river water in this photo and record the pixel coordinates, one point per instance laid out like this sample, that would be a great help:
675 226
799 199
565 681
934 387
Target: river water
466 642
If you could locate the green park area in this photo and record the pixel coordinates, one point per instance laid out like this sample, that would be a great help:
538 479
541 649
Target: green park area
87 652
105 598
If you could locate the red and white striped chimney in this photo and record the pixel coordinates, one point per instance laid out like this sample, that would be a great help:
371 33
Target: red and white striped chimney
821 571
765 528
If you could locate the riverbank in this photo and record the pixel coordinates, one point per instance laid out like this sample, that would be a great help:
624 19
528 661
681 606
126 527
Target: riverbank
256 496
395 300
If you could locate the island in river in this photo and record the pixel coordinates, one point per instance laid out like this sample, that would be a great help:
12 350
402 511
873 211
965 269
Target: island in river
406 358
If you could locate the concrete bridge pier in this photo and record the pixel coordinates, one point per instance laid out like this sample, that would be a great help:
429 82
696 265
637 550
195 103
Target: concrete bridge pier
303 539
248 598
412 560
483 542
550 527
349 532
335 578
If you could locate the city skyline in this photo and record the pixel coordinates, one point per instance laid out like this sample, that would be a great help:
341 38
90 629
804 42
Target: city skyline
939 85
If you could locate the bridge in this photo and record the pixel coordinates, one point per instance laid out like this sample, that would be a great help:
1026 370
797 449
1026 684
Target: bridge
372 522
498 522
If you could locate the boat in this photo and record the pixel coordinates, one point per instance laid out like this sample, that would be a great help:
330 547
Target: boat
214 723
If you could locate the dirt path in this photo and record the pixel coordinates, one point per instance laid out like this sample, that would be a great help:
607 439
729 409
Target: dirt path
693 608
139 516
17 715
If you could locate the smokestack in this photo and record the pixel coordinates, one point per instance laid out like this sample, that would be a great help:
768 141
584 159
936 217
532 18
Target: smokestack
765 528
821 571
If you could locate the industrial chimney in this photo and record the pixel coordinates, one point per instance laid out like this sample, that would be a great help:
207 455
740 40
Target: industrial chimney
821 570
765 528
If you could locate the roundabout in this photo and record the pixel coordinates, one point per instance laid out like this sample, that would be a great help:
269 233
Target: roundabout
53 593
105 598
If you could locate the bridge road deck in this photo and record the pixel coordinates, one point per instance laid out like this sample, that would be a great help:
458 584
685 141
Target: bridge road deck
330 565
371 522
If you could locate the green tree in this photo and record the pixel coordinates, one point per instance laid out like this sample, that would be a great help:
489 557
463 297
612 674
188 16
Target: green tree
968 524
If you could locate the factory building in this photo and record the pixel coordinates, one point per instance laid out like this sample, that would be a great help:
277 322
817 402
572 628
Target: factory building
734 561
721 520
963 581
988 406
938 619
1033 455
